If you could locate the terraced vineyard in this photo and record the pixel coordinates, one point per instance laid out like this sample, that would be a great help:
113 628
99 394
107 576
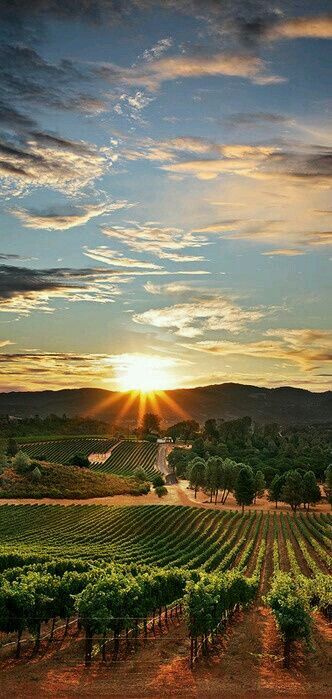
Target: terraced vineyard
62 450
127 456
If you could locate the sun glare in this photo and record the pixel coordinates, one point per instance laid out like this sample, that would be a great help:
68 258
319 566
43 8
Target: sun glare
144 374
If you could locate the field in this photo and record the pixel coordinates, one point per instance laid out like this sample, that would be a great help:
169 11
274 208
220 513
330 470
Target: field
165 535
126 456
62 450
152 554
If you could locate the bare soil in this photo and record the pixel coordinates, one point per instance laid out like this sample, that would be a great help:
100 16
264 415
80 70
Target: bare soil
246 662
179 494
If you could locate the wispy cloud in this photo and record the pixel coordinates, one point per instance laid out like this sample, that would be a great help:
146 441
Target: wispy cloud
61 220
165 242
117 259
304 347
200 315
311 27
152 74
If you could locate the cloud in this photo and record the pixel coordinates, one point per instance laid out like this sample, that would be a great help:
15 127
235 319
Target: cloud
314 27
199 65
253 119
284 252
166 242
13 256
304 347
295 162
200 315
26 75
117 259
54 220
23 290
44 159
33 370
172 288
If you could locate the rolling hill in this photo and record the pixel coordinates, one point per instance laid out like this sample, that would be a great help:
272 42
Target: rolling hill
285 405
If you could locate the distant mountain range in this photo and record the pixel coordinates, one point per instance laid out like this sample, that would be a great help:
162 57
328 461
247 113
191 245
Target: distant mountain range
283 405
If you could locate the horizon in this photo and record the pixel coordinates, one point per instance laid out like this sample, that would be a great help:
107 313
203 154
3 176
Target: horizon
165 172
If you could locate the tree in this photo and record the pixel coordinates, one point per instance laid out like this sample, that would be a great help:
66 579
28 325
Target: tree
36 474
196 473
259 485
311 491
213 476
292 492
210 430
79 460
12 447
328 484
3 461
21 462
161 491
158 481
140 475
229 474
186 430
150 423
245 487
275 489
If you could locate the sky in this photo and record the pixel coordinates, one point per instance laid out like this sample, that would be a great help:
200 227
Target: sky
165 193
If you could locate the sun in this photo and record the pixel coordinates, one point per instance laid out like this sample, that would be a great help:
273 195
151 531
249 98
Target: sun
144 374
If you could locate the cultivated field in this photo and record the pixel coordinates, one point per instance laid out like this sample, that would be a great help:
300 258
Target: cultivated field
126 456
158 587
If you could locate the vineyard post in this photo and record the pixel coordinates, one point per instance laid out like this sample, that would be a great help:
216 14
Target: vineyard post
52 629
18 645
88 645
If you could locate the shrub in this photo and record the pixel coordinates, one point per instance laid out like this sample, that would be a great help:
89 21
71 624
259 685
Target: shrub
161 491
21 462
79 460
36 474
158 481
140 475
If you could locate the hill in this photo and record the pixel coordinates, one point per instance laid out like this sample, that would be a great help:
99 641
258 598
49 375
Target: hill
284 405
57 481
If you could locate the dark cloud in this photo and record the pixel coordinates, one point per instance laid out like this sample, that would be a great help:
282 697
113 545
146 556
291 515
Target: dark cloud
250 119
12 256
40 158
23 289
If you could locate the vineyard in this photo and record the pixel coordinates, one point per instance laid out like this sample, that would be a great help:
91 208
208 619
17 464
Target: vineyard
116 567
126 456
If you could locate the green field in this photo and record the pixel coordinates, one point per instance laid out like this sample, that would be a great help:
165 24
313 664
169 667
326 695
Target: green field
165 535
127 455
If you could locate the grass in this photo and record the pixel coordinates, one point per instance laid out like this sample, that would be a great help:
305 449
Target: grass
59 481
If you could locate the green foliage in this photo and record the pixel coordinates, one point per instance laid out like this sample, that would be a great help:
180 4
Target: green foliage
275 489
208 599
161 491
140 475
328 483
58 481
79 460
185 430
158 481
3 461
196 473
290 607
21 462
292 491
259 484
150 423
245 487
311 491
12 447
